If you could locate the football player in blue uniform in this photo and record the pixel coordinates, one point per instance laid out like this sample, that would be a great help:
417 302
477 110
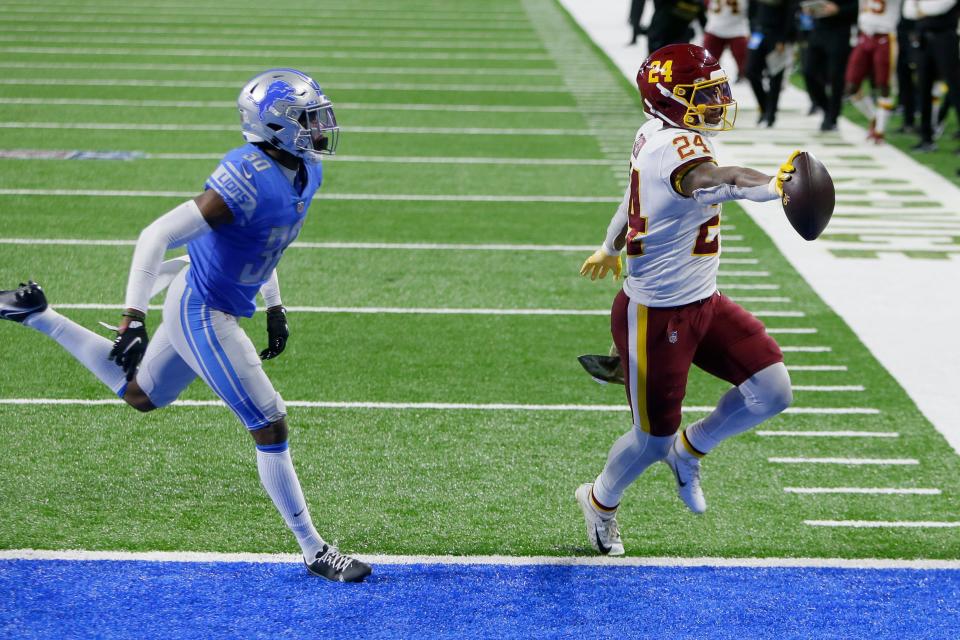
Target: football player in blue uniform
252 208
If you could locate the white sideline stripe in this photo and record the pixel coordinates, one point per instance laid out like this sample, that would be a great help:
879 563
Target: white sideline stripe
762 298
805 349
457 131
829 389
852 461
831 434
106 193
600 561
811 367
446 406
882 524
862 490
216 104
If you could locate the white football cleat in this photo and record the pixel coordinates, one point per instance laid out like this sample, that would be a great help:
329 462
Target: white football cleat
686 470
603 533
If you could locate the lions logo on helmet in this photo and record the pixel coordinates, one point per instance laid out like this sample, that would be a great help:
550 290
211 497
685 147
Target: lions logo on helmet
683 85
287 109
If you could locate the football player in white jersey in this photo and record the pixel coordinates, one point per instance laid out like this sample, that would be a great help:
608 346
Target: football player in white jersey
727 26
874 57
669 314
251 209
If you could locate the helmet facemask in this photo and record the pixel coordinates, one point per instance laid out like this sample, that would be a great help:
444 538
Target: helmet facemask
319 132
708 103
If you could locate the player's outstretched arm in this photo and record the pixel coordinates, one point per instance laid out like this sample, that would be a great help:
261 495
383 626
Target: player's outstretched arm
178 226
607 257
277 330
709 184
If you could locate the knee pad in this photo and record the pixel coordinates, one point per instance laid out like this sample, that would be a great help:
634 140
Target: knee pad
768 391
654 447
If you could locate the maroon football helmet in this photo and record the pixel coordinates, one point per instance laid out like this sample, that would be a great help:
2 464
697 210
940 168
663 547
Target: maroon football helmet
683 85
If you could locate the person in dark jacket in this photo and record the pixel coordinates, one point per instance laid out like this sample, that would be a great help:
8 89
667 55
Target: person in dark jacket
636 14
773 30
939 57
671 22
827 52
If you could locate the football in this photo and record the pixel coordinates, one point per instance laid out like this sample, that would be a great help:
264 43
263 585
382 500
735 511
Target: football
809 197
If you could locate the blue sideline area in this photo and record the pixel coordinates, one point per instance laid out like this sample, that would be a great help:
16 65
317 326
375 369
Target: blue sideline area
130 599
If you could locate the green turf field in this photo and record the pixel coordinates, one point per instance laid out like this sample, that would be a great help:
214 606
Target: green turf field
501 125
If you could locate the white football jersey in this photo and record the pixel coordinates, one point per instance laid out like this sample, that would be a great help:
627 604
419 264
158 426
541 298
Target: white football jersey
673 243
879 16
727 18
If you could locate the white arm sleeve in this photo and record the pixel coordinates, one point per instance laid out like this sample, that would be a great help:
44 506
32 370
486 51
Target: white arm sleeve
174 228
271 291
726 192
616 225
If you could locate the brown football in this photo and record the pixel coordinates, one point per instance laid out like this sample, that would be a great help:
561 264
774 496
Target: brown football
808 196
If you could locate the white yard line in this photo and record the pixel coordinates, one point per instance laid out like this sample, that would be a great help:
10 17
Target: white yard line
303 54
828 434
285 558
846 461
220 105
349 246
444 311
47 154
883 524
817 367
318 71
441 406
789 349
791 330
117 193
174 127
829 388
861 490
390 44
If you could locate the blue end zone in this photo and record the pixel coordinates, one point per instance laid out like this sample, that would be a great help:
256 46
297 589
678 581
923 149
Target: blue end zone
68 599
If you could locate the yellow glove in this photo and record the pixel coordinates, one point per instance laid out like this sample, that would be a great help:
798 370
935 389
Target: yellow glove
783 174
599 263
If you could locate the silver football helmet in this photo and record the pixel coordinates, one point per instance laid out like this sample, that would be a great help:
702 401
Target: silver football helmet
287 109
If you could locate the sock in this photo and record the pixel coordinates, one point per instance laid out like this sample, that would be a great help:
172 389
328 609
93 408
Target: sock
762 396
883 113
865 104
629 456
279 478
685 448
87 347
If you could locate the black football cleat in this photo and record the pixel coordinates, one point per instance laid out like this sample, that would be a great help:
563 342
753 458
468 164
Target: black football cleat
21 303
335 566
603 369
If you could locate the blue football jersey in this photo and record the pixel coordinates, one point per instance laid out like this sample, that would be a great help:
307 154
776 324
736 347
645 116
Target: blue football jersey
229 265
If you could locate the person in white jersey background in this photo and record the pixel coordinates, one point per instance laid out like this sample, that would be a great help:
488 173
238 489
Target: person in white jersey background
874 57
252 207
669 314
728 26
